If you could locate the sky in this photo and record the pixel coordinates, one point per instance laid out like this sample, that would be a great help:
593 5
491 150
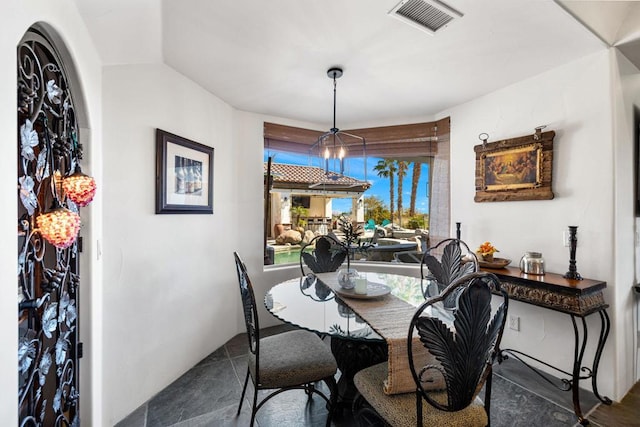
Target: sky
354 168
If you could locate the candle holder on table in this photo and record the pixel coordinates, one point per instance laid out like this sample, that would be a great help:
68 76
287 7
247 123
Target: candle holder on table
573 243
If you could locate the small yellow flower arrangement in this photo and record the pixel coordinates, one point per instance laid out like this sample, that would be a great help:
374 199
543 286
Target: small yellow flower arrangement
485 252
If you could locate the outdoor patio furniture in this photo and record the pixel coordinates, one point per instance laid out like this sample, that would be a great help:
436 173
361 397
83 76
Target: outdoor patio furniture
370 225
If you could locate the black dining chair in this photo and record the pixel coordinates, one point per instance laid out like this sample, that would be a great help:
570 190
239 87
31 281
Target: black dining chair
443 263
286 361
463 348
328 255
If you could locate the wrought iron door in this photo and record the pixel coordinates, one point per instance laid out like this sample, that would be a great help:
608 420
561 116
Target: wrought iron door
48 151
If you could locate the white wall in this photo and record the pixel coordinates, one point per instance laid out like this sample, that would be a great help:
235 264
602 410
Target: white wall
575 101
626 91
17 16
248 134
170 284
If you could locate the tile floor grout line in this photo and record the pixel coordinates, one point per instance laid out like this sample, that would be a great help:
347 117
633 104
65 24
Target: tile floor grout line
235 371
226 351
240 383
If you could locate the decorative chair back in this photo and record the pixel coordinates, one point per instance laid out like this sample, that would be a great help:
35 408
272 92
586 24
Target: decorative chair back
465 349
328 255
315 289
292 360
443 263
249 308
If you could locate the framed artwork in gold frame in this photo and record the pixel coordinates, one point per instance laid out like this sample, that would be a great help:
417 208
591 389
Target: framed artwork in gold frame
515 169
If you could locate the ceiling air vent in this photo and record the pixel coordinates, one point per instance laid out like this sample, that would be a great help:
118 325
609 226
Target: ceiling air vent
425 15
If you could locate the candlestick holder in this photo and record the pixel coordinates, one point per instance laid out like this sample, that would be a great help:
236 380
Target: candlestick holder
458 230
573 243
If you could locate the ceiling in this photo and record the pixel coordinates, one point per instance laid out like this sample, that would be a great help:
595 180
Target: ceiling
271 57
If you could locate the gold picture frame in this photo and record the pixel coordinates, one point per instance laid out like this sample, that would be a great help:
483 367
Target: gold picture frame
515 169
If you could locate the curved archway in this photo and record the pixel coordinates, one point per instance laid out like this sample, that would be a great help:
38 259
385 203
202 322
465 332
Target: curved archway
52 124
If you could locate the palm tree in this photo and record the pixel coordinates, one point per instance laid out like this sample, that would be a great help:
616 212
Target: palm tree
417 169
402 171
386 168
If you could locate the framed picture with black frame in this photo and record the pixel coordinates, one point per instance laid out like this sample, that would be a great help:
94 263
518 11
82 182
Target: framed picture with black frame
184 175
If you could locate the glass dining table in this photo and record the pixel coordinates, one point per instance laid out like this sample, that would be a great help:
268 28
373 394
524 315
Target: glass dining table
309 302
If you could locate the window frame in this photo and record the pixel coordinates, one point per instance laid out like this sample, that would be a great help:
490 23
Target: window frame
429 140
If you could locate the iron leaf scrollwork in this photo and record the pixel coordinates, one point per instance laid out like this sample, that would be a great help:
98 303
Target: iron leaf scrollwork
451 267
67 311
62 346
47 276
463 355
325 257
43 367
50 319
26 353
29 140
27 196
54 92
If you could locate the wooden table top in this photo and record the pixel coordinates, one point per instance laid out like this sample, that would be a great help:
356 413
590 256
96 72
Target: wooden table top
552 280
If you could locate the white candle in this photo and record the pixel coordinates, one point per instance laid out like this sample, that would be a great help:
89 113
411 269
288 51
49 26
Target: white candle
361 285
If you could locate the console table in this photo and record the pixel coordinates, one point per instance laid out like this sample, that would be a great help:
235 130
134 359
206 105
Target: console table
578 299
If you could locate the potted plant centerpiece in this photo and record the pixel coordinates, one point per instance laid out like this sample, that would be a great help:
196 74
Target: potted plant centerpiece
352 243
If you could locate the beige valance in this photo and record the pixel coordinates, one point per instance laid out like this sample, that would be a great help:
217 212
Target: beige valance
410 140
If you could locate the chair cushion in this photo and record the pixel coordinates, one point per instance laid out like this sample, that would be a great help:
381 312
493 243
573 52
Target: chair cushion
400 409
293 358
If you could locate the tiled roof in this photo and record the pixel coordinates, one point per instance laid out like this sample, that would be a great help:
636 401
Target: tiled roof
295 176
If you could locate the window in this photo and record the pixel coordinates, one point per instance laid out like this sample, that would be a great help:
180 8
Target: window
301 201
396 190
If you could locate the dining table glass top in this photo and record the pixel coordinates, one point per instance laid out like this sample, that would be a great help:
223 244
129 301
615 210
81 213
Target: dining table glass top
309 303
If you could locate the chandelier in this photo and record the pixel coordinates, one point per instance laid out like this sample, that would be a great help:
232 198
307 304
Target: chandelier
335 146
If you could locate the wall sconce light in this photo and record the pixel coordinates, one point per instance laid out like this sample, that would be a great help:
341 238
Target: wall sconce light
59 226
80 188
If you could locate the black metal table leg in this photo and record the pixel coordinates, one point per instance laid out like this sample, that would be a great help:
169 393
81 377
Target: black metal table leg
577 362
604 333
578 353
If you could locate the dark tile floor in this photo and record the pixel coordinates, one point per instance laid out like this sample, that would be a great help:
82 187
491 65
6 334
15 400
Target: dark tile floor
209 393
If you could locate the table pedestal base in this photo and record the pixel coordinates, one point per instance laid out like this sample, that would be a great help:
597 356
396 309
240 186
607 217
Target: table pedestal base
351 357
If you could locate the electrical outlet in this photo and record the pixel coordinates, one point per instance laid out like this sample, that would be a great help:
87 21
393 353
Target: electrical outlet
566 238
514 323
